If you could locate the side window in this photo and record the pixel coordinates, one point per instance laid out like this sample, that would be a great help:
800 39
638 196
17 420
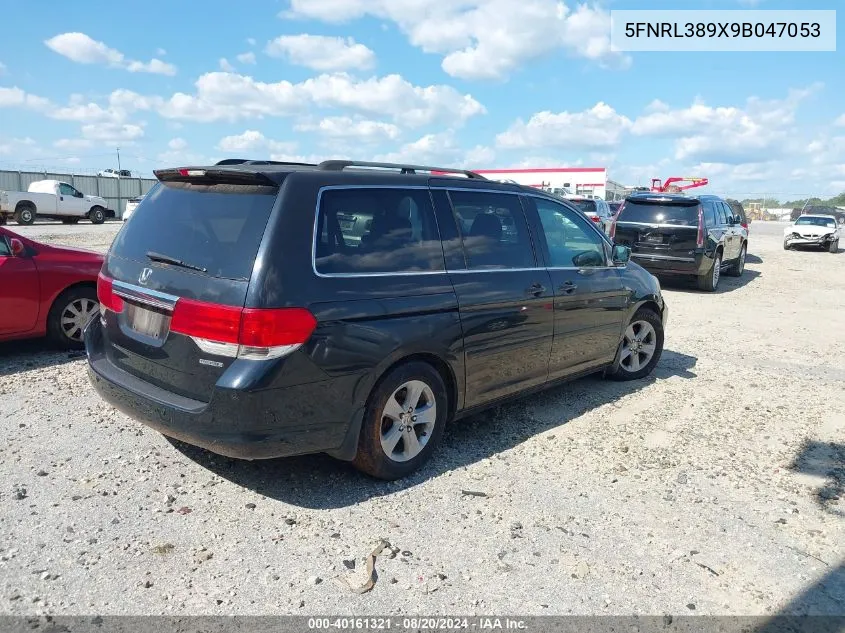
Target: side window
378 230
729 213
66 190
721 218
571 243
710 219
5 251
493 229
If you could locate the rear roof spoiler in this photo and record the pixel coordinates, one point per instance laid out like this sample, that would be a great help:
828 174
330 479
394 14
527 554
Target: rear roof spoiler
205 176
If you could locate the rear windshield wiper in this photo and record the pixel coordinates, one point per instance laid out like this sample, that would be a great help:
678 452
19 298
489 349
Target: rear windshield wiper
167 259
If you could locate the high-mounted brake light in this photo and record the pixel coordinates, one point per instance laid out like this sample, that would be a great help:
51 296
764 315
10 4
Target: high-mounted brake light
699 238
256 333
106 296
192 172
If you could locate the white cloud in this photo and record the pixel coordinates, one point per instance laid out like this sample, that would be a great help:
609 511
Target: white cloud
840 121
482 39
15 97
253 140
230 96
246 58
155 66
226 66
112 132
348 128
439 150
83 49
251 41
161 52
600 126
726 134
322 53
73 144
177 144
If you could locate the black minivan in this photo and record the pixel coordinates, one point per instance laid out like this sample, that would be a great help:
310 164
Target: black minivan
676 234
262 309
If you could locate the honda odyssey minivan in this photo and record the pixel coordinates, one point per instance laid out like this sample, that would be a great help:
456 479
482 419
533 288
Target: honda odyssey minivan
262 309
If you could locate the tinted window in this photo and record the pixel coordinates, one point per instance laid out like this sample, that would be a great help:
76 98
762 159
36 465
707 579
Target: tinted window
587 206
5 251
217 227
493 228
720 212
66 190
377 231
709 214
684 214
571 243
816 221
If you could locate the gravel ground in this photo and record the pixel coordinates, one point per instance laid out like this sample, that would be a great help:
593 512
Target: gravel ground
713 488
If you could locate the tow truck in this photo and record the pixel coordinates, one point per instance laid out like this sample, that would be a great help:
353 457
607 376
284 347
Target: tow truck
658 186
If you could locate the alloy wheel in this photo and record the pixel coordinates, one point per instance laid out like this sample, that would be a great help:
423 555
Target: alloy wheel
76 316
408 420
638 346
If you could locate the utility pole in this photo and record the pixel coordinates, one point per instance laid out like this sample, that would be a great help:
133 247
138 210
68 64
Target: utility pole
119 211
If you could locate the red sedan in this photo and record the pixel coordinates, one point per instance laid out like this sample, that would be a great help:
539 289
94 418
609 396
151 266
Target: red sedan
46 290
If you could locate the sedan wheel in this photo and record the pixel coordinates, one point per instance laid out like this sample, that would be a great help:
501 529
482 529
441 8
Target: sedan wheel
76 316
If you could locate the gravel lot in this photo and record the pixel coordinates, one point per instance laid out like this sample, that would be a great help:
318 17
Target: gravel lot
713 488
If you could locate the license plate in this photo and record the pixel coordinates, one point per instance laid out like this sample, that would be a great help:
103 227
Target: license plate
654 239
147 322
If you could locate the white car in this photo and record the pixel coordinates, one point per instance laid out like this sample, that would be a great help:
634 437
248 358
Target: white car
813 230
115 173
131 204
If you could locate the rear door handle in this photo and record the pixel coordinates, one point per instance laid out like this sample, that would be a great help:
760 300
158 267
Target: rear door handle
536 289
568 287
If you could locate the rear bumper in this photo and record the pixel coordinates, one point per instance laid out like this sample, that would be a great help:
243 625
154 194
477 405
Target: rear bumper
260 424
664 265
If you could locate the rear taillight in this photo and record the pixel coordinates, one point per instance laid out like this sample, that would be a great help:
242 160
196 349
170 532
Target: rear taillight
699 238
255 333
106 296
596 219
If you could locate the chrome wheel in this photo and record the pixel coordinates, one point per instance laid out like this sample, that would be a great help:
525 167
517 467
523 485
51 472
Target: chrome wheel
76 316
408 420
638 346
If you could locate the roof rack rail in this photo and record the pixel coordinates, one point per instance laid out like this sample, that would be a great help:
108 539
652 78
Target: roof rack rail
340 165
248 161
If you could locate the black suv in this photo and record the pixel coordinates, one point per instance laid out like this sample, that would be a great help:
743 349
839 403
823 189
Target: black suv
676 234
263 310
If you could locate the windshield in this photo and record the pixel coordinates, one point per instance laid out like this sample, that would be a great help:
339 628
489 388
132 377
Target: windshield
685 214
805 221
217 227
587 206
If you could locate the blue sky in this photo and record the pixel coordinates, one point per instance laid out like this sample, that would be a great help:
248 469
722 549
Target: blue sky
478 83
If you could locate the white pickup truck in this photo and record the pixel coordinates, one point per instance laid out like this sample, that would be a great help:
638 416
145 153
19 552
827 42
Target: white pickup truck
51 199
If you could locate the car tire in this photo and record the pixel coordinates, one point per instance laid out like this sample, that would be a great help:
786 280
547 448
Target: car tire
738 267
641 346
70 220
785 245
69 315
709 281
834 246
388 410
25 215
97 215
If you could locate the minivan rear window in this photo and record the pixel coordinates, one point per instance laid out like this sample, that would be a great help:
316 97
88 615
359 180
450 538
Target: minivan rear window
683 214
216 227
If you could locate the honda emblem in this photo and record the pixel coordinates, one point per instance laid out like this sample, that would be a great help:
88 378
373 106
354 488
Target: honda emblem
144 276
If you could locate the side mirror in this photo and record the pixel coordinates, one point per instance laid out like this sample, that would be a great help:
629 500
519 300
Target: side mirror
78 194
621 254
18 249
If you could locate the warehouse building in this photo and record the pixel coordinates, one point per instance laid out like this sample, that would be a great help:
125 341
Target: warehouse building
590 181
